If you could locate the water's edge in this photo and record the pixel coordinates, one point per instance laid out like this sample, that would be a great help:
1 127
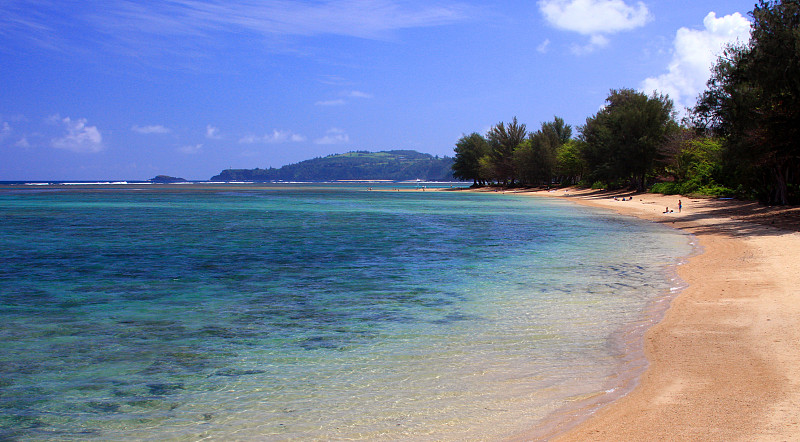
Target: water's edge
629 342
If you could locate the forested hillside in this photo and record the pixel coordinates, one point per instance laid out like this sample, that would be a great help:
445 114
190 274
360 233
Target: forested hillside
395 165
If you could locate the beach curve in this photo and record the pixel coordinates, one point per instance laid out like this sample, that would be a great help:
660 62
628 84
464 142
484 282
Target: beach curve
723 361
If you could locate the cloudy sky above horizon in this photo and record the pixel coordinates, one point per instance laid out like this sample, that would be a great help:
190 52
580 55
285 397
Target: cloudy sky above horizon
121 89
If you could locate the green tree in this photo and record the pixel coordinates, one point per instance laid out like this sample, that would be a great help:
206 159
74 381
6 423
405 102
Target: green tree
557 130
625 140
504 140
535 158
753 103
697 169
486 168
570 166
469 150
527 163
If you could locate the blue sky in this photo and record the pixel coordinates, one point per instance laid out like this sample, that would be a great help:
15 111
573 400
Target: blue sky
120 89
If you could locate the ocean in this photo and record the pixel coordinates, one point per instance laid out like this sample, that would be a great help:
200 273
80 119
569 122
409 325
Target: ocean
315 312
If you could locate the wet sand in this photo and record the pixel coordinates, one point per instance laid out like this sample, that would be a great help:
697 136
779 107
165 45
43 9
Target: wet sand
725 360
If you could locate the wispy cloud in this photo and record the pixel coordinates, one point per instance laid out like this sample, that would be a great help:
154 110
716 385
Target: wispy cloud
337 102
343 101
277 136
191 149
357 18
5 130
79 137
33 23
134 26
543 46
596 41
694 53
8 133
359 94
212 133
333 136
152 129
594 18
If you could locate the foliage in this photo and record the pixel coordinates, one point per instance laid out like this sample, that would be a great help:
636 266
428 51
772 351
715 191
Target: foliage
753 103
626 139
469 151
510 155
394 165
536 158
698 170
570 166
504 140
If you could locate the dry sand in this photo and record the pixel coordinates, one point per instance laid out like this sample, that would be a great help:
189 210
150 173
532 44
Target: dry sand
725 360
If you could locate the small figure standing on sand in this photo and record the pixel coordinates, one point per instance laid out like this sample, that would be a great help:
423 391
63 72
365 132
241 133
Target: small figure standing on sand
680 206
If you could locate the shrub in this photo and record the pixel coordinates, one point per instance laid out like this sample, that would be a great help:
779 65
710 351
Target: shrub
666 188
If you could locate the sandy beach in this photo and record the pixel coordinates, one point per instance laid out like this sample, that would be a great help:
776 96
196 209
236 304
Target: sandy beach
724 361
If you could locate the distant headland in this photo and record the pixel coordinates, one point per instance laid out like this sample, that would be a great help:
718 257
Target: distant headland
393 165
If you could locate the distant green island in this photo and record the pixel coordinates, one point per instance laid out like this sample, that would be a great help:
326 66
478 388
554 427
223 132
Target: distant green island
393 165
166 179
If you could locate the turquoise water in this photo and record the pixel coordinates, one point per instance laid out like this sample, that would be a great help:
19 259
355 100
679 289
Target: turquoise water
311 312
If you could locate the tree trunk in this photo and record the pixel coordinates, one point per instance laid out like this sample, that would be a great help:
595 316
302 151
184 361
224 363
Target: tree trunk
781 195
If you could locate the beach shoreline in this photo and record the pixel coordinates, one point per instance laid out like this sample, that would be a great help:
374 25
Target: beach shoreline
721 362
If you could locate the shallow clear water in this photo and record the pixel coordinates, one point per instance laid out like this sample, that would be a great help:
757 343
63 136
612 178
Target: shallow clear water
310 312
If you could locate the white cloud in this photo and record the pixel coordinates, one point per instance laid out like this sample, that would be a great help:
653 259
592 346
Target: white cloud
79 137
694 54
595 42
341 101
589 17
543 46
191 149
5 130
212 133
338 102
277 136
152 129
334 136
359 94
594 18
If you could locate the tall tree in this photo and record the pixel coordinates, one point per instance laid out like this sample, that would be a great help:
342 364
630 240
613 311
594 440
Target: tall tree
625 140
535 159
504 140
469 150
753 103
557 130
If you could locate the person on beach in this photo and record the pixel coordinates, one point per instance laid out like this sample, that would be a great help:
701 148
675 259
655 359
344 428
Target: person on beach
680 206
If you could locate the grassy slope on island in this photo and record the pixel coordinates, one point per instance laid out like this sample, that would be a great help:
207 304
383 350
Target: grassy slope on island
396 165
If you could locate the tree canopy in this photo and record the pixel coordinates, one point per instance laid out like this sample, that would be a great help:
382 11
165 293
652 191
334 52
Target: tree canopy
467 164
625 139
504 139
753 104
509 155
